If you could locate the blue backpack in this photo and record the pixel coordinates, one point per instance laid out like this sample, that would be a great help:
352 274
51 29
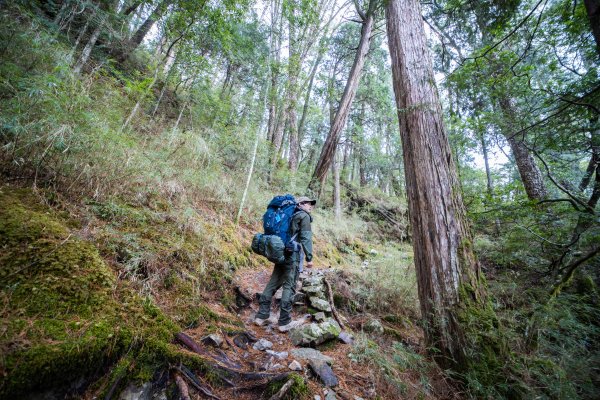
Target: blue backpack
276 221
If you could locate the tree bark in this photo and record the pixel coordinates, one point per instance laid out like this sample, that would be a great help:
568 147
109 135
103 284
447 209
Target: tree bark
450 282
330 145
139 35
593 11
307 96
531 175
294 64
87 50
337 202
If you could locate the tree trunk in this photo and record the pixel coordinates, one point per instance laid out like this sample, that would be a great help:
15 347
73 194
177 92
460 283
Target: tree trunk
307 96
593 12
528 170
330 145
142 31
294 64
87 50
452 290
337 202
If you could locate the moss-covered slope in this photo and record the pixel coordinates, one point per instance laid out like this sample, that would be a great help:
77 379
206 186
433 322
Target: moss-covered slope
62 313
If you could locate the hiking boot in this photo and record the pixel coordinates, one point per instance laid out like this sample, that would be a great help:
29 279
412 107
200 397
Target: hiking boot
259 321
290 325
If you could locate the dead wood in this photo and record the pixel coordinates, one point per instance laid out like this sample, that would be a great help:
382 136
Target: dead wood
195 347
195 381
284 389
184 391
333 310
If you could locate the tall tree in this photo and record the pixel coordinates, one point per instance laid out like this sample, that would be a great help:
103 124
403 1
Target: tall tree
335 131
451 286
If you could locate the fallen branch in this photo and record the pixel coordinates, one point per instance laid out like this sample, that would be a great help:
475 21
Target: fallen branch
282 392
195 347
184 391
193 379
333 310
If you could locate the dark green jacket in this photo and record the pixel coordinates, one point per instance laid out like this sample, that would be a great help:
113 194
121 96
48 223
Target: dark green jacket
300 226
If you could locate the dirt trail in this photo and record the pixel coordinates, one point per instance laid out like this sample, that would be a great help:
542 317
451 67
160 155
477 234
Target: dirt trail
354 381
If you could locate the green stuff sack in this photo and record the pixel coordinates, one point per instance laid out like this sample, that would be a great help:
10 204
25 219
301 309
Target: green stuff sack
269 246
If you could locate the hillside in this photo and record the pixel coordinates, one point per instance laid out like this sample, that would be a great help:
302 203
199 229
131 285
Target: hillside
141 142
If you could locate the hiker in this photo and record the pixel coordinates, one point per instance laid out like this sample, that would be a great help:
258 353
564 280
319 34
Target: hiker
286 273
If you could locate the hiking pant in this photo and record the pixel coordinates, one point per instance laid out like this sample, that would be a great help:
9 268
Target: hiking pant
285 275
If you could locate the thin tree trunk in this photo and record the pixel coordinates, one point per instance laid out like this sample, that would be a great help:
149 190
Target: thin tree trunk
452 291
80 36
528 170
593 12
595 157
294 65
330 145
307 97
142 31
87 50
337 202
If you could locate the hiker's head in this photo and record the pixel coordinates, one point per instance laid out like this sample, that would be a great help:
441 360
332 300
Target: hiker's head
306 203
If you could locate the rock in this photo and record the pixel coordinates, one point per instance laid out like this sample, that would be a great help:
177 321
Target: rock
280 356
312 280
314 334
262 345
308 354
320 304
319 317
373 325
135 392
212 340
317 397
299 299
242 299
318 290
324 372
295 366
345 337
330 395
276 367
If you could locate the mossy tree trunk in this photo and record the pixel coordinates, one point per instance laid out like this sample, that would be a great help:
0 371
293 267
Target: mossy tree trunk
452 289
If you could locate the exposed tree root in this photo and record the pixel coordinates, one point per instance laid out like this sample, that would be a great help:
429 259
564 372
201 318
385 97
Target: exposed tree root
282 392
333 310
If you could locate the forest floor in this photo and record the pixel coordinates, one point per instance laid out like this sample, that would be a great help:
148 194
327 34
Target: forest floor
357 380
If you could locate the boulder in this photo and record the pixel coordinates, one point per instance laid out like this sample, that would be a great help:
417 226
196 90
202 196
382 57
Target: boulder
315 290
320 304
262 345
315 334
306 353
324 372
345 337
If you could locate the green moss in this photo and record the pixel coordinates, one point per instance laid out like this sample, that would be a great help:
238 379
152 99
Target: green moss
63 317
299 389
